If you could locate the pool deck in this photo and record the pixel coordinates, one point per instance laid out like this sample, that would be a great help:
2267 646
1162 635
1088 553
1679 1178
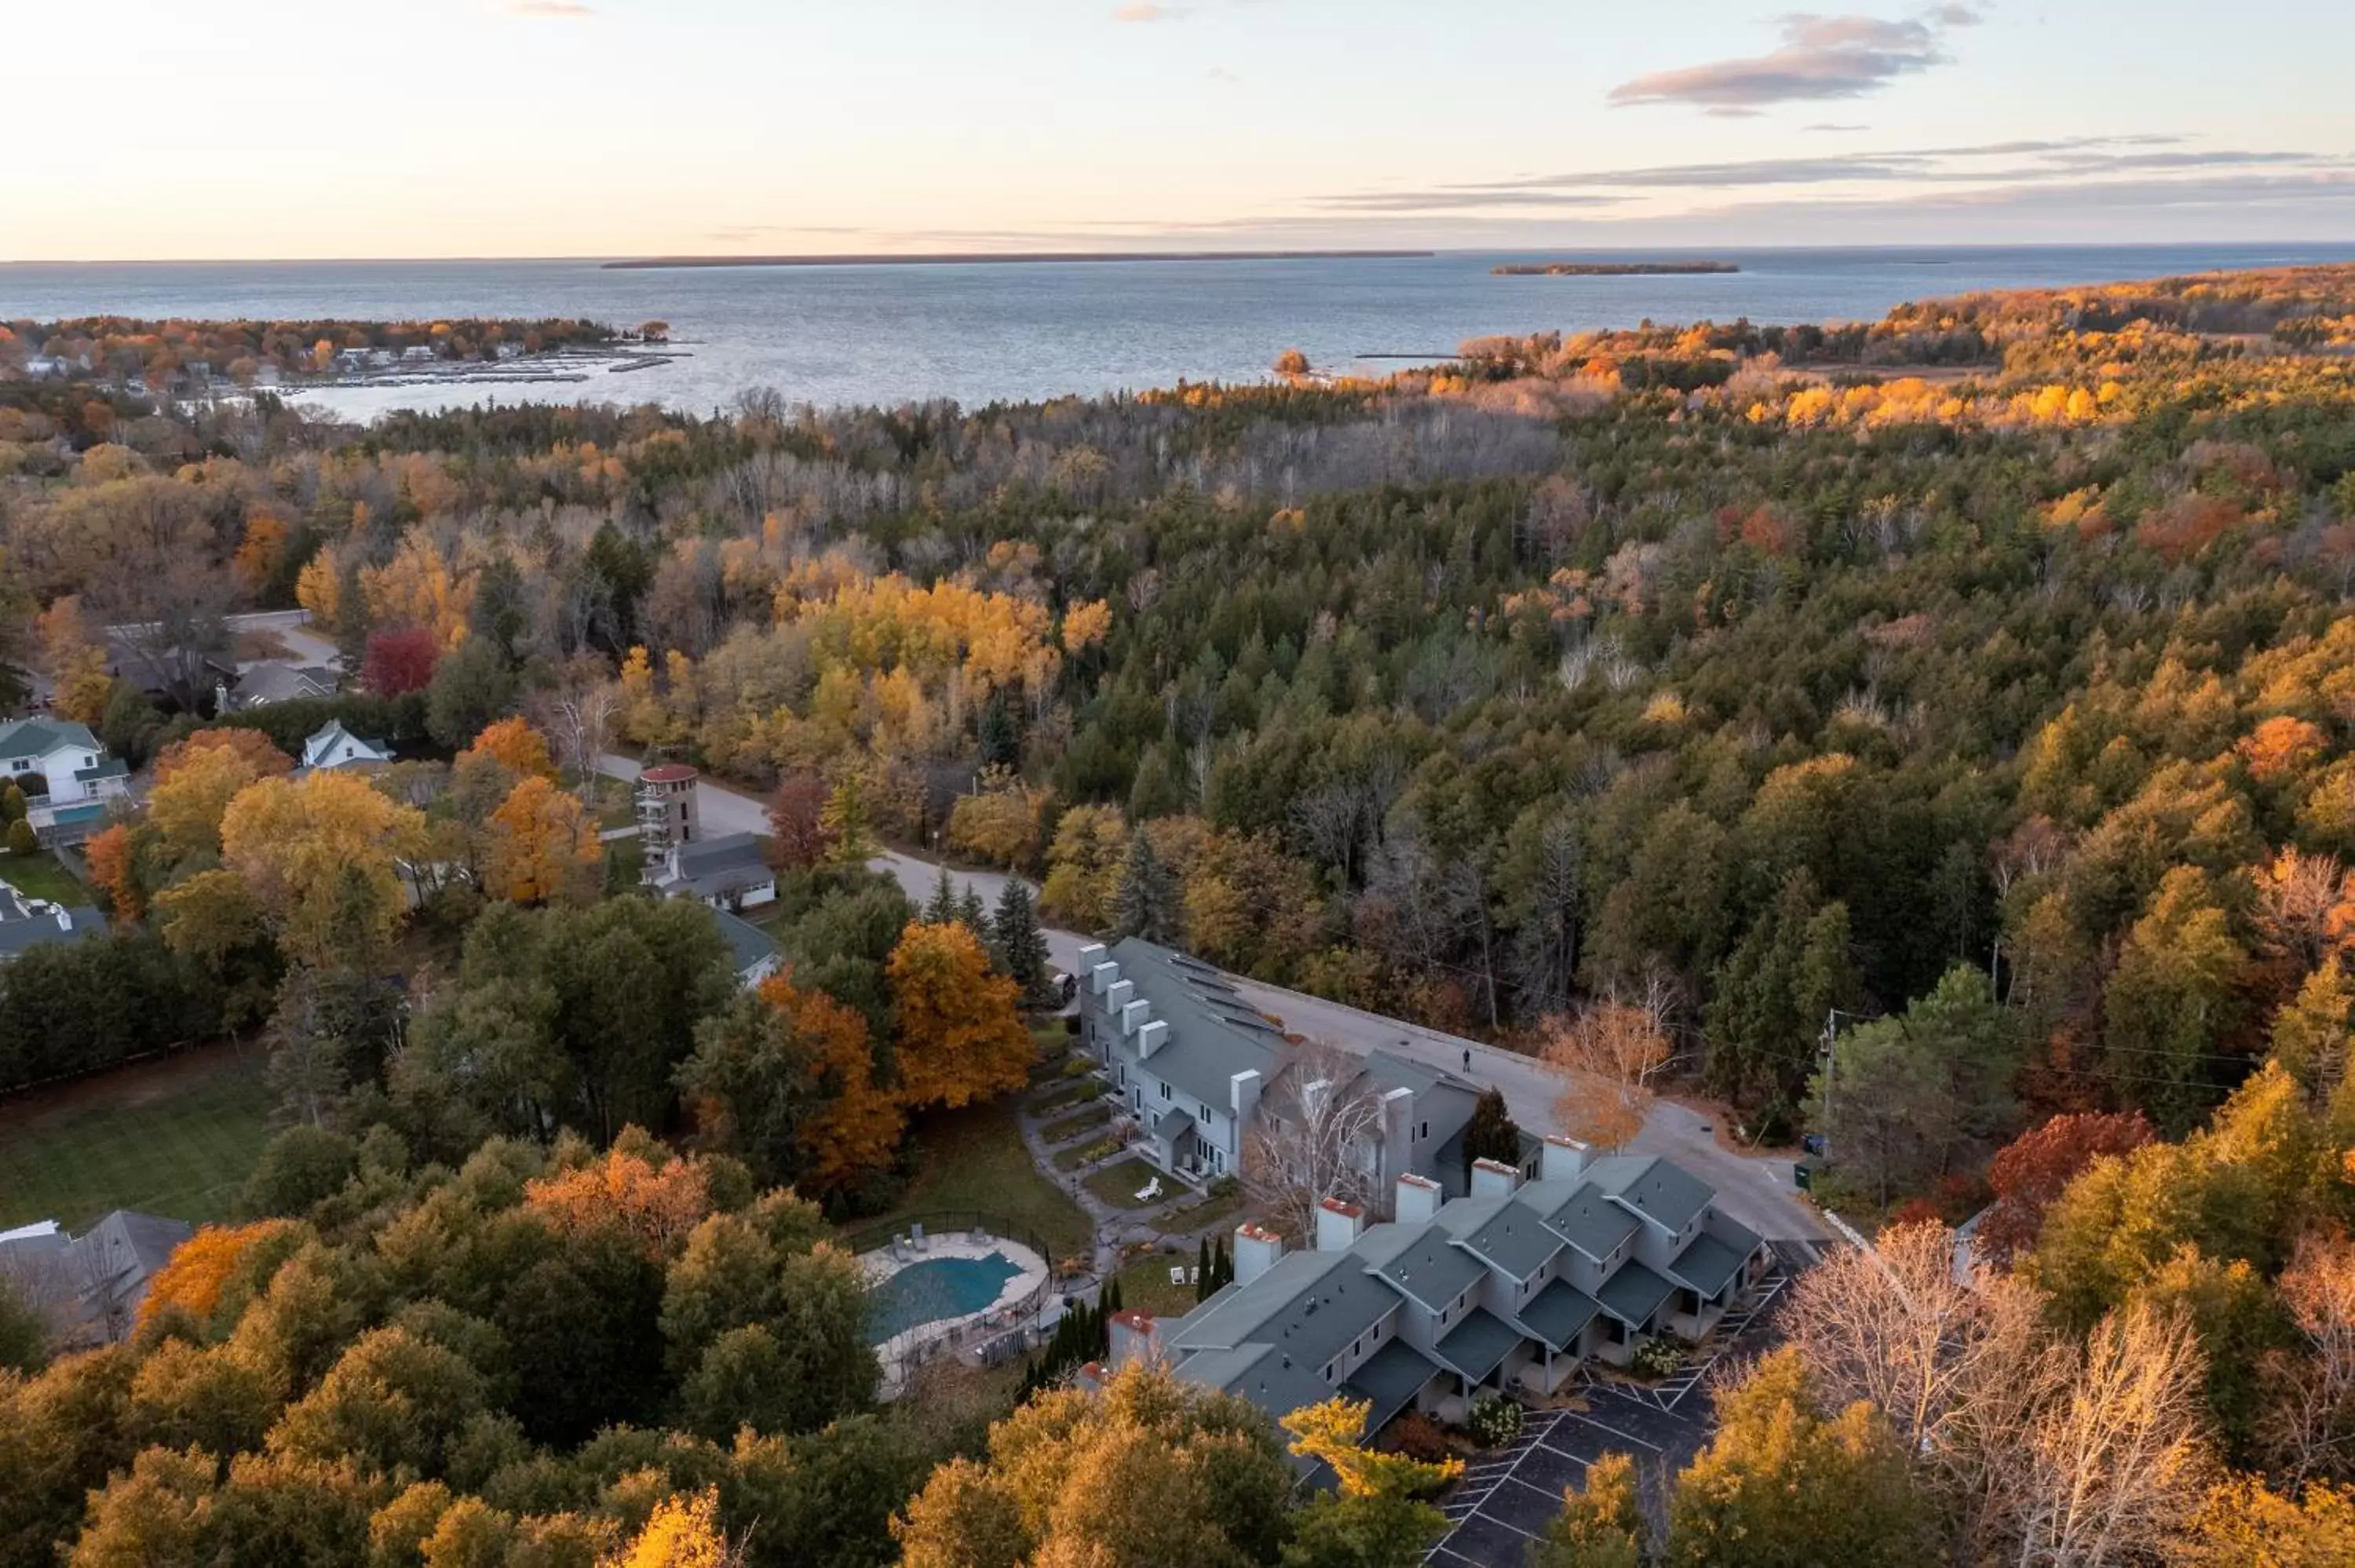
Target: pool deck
1030 1274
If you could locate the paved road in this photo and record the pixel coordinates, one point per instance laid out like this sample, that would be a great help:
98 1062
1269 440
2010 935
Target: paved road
1758 1192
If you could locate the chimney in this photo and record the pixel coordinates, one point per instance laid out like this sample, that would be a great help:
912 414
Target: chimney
1243 1096
1135 1015
1133 1338
1418 1199
1090 956
1339 1224
1256 1250
1118 995
1151 1037
1563 1158
1494 1179
1102 976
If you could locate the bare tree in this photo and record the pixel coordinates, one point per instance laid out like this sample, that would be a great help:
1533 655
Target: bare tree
580 716
1608 1055
2310 1430
1316 1136
2113 1471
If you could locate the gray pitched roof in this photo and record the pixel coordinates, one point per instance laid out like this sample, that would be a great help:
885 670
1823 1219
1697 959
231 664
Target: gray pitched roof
1706 1265
1633 1293
1664 1193
1515 1242
275 681
1276 1380
1310 1304
747 943
1388 1380
1213 1032
1433 1269
1589 1221
24 927
39 736
1558 1313
1474 1346
718 867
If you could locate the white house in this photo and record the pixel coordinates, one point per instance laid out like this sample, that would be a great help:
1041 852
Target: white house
335 747
726 873
55 748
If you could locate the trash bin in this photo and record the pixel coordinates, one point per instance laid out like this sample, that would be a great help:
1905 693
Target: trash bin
1802 1178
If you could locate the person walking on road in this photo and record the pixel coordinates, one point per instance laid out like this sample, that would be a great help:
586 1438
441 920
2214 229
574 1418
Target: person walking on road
1468 1059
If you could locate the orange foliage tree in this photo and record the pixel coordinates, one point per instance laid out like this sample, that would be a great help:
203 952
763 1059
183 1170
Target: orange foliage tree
200 1266
266 760
514 742
858 1131
960 1038
109 855
543 846
658 1203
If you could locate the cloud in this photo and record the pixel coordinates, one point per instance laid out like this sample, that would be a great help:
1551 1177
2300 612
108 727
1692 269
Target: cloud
2068 163
1835 130
550 10
1821 58
1147 11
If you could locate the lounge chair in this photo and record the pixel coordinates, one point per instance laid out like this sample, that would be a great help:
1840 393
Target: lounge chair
916 1237
1176 1274
1149 1191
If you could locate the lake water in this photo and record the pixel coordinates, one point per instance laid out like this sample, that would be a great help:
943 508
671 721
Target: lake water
980 333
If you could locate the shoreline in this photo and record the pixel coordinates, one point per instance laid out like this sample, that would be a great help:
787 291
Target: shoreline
1010 258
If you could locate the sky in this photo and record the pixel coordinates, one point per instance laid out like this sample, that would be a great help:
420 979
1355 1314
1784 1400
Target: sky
250 129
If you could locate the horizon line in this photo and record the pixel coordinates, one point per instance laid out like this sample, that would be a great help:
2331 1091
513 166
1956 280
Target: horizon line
617 262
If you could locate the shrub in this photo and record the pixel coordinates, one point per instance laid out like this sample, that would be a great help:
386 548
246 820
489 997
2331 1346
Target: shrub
1418 1436
22 839
1493 1421
1654 1359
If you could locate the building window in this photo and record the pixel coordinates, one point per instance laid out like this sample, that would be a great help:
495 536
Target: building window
1165 1088
1425 1132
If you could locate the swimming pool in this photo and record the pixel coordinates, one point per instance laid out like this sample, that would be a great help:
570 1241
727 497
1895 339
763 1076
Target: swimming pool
934 1288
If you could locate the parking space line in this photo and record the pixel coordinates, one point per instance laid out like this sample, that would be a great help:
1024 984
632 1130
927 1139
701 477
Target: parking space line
1630 1437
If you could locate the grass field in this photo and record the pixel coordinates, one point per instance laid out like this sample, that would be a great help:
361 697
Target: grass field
1144 1285
40 876
1119 1184
975 1158
174 1137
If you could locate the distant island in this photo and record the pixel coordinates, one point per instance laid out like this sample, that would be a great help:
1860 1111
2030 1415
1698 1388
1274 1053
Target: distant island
1009 257
1608 269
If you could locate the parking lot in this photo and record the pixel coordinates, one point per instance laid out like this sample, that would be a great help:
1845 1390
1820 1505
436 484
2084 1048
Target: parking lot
1510 1495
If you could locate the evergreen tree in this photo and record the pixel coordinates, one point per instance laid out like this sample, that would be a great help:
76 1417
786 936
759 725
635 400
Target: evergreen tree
1789 970
1206 1274
1491 1134
1019 944
1000 736
1147 903
12 802
941 909
973 914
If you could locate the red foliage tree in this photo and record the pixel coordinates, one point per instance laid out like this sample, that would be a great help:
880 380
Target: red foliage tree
398 659
796 822
2028 1173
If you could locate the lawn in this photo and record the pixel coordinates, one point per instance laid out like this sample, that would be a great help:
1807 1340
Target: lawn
1144 1284
1119 1184
174 1137
1072 1126
975 1158
40 876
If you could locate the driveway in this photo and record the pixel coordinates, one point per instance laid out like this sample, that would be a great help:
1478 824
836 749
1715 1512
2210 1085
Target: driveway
1758 1192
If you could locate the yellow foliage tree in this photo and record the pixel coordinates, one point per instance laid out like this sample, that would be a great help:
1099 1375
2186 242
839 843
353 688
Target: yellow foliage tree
960 1038
191 796
999 825
1334 1431
682 1532
322 857
543 846
1085 625
418 588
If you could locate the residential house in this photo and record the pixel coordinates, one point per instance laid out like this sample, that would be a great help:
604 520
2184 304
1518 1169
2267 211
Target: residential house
333 745
29 923
269 680
417 353
56 749
1510 1289
726 873
1194 1063
755 952
90 1285
45 367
